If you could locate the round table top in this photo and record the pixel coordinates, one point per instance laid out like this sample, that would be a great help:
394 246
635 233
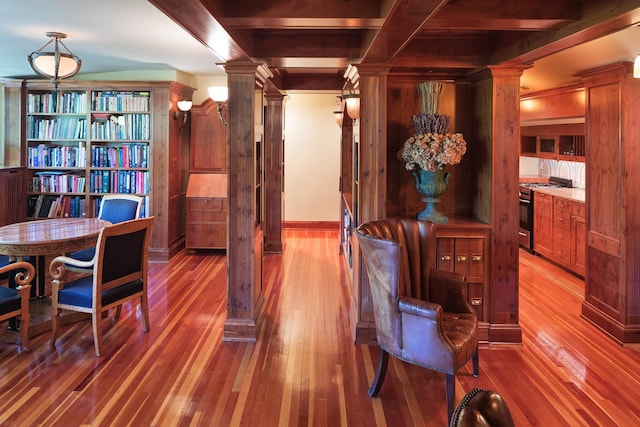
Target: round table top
50 236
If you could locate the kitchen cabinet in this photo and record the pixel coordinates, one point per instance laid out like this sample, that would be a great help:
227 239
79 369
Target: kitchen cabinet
543 224
464 251
559 231
558 142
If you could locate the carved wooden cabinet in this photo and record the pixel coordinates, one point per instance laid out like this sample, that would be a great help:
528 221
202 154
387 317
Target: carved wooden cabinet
207 211
464 250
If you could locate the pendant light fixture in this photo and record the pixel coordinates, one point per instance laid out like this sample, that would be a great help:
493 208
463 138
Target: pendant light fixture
55 65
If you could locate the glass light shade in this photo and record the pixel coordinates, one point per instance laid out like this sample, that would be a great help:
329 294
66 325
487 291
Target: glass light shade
352 101
636 67
184 105
338 115
219 93
55 65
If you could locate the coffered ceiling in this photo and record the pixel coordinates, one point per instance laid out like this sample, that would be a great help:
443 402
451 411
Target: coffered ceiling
308 44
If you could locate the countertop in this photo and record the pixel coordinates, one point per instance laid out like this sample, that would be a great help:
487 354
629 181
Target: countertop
576 194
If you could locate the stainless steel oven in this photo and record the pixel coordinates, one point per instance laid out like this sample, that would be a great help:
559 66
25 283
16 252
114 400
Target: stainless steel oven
525 232
526 201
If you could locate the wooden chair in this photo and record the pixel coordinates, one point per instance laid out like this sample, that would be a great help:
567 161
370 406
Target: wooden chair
15 302
422 315
119 274
114 208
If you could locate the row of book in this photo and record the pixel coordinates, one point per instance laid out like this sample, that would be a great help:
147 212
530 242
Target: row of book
56 128
119 181
57 182
51 206
120 126
113 100
125 156
57 102
57 156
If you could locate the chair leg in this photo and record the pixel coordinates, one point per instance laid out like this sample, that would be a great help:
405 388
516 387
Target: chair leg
55 324
475 360
381 371
451 395
144 307
96 321
24 330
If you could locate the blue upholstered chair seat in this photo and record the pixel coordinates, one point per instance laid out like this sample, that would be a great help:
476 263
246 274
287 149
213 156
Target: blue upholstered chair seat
9 300
84 254
79 292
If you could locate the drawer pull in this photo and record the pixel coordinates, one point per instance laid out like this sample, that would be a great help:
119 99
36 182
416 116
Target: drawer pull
476 301
462 258
445 258
476 258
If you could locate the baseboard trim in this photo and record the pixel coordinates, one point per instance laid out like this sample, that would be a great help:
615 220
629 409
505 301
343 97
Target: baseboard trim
317 225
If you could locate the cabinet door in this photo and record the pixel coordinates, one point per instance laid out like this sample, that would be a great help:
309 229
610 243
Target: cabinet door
578 245
543 224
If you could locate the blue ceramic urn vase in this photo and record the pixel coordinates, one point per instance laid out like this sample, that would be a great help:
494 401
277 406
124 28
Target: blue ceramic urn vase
432 185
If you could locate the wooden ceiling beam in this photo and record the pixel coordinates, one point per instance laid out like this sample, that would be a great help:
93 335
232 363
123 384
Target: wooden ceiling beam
301 9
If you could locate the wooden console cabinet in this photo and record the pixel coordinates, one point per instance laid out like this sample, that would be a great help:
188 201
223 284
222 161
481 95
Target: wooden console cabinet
207 211
463 249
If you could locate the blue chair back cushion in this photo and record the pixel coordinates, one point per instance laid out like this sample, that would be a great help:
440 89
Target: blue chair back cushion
9 300
119 210
79 292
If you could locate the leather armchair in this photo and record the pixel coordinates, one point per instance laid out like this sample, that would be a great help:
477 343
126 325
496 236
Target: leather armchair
422 315
482 408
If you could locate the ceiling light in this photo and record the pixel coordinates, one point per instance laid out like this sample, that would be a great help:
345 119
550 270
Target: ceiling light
55 65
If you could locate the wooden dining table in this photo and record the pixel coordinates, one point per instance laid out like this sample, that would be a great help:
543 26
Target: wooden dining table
37 239
56 236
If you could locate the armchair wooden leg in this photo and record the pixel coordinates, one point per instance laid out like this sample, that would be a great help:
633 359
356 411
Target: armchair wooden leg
55 324
475 361
97 332
381 371
24 330
451 395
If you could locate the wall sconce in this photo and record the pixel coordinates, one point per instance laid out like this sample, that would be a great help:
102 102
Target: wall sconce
636 67
338 115
55 65
352 101
219 94
183 109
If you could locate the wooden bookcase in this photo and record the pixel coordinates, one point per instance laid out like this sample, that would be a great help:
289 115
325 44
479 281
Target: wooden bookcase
87 139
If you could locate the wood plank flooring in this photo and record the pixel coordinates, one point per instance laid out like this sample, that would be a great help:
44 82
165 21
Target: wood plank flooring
305 370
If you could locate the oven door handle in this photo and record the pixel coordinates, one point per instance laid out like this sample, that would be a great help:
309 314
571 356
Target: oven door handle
525 201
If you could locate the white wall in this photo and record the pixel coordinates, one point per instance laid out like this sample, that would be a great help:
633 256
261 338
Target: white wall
311 158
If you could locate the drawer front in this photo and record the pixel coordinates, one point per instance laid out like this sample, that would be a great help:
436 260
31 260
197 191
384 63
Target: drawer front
205 235
578 209
561 203
207 203
444 257
562 219
206 216
476 298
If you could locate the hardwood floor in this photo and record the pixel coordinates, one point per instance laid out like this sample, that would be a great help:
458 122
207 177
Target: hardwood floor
305 369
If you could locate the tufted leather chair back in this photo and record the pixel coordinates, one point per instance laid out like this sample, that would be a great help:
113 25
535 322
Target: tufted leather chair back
400 255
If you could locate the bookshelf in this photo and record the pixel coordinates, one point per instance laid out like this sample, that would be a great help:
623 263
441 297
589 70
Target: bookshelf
88 139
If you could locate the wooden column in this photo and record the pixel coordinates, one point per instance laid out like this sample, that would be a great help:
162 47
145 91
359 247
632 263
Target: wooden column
612 283
274 157
372 185
244 249
497 109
